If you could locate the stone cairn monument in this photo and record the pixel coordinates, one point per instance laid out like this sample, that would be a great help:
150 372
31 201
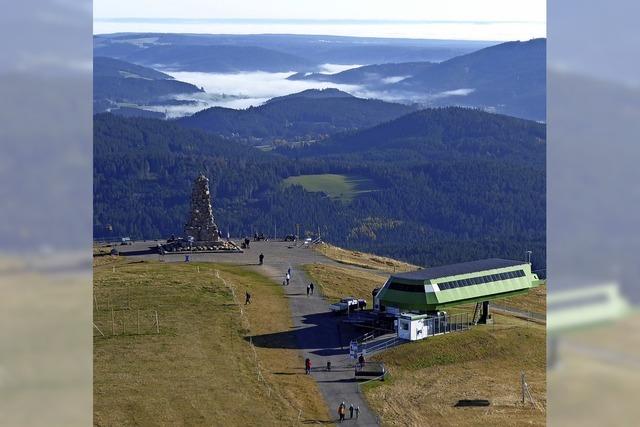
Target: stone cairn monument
201 225
201 232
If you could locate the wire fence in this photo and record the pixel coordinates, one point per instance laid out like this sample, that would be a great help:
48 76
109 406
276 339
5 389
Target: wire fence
117 318
258 367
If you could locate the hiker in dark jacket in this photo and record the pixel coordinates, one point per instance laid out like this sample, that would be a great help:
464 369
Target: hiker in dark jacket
307 366
261 258
341 411
247 299
351 411
311 287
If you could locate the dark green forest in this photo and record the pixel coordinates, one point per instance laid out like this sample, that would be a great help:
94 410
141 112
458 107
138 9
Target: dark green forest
452 185
312 114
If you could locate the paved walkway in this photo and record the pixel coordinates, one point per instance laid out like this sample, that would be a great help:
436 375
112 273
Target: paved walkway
316 330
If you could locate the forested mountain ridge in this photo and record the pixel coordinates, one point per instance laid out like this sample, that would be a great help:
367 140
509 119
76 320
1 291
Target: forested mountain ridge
440 133
110 67
119 84
271 52
310 115
314 94
509 78
448 205
372 76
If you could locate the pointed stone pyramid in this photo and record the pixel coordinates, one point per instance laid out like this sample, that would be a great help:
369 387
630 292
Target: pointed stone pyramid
201 225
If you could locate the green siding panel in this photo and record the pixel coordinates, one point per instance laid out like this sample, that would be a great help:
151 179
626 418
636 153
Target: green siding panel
433 301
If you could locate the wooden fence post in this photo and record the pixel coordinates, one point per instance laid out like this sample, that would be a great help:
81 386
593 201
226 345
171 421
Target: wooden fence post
522 384
157 323
95 302
138 322
113 323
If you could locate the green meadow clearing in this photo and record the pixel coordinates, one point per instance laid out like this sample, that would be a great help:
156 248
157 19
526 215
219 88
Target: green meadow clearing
342 187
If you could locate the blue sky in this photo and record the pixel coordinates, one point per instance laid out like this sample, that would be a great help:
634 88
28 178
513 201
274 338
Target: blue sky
452 19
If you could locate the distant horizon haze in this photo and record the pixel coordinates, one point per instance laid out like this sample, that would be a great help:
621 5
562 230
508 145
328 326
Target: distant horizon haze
453 30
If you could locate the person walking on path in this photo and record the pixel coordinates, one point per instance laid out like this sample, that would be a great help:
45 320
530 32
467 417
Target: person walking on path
289 271
308 290
328 365
284 283
357 412
261 258
361 360
351 411
288 278
247 299
307 366
341 411
311 287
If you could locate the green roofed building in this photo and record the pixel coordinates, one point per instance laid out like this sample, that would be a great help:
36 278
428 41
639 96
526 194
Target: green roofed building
434 289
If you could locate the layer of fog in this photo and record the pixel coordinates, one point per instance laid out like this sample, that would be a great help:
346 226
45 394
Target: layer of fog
252 89
337 68
244 90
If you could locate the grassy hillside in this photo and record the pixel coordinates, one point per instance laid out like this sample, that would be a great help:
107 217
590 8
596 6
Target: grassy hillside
338 282
534 301
363 259
199 369
342 187
428 378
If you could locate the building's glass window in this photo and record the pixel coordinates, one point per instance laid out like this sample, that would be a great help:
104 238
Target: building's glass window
480 280
406 288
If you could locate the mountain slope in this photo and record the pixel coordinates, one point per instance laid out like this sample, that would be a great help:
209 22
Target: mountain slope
118 83
272 52
369 75
441 133
110 67
308 115
314 94
509 78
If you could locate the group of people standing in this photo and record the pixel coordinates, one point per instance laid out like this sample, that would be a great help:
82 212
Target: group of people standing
342 411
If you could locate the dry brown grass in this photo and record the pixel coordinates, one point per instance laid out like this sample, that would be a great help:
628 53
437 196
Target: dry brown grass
534 301
430 376
200 369
337 282
364 260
